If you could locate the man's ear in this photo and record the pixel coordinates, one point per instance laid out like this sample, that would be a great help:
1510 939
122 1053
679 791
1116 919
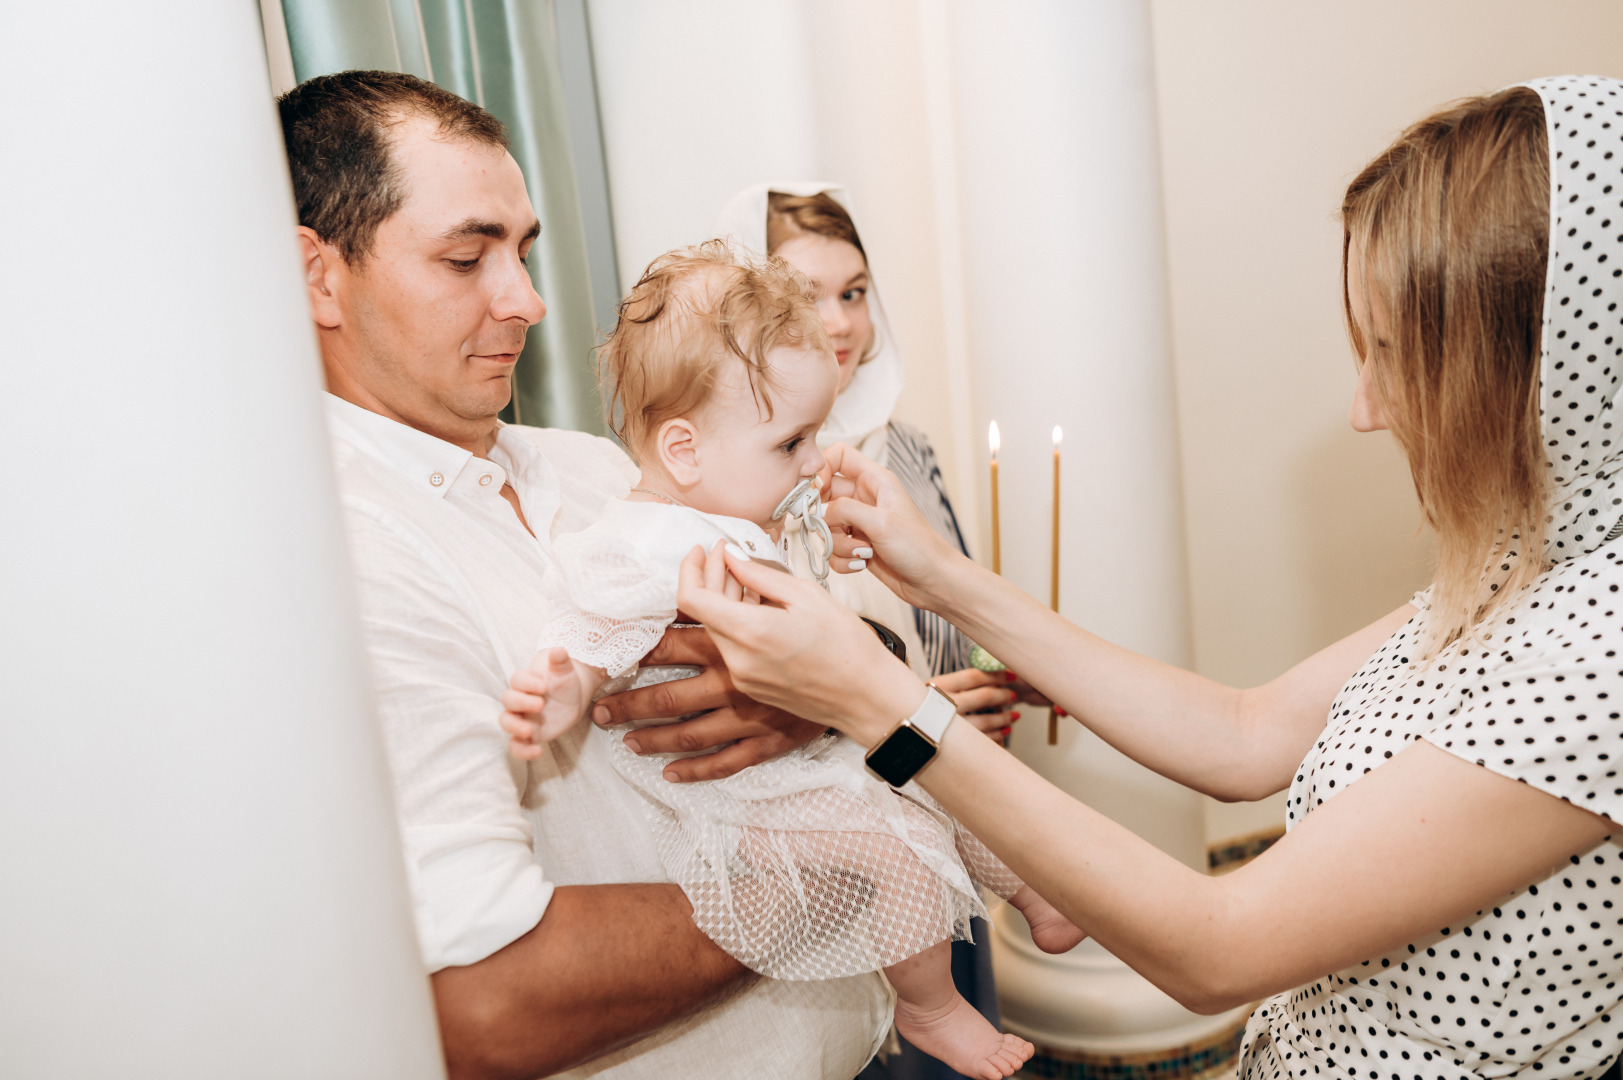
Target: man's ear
677 444
323 272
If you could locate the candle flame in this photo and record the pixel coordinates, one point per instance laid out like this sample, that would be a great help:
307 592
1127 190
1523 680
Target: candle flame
992 438
1058 434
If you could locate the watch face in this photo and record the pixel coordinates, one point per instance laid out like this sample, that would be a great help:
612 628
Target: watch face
899 757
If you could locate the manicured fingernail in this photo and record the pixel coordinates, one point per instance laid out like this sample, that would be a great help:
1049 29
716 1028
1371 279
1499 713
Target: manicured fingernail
858 564
863 553
1060 712
1010 676
1014 716
1005 731
600 714
737 552
631 742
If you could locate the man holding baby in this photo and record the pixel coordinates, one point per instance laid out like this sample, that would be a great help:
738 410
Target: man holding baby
547 945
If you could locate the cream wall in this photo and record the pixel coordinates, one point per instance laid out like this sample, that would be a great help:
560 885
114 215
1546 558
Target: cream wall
1299 530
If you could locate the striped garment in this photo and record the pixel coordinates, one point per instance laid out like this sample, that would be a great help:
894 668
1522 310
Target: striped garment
910 456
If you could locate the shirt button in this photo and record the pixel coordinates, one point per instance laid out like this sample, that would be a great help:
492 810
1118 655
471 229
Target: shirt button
484 481
750 544
436 479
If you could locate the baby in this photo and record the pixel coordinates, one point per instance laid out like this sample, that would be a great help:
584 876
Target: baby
805 866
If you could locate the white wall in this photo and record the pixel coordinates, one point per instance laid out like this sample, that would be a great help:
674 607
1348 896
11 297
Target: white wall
202 873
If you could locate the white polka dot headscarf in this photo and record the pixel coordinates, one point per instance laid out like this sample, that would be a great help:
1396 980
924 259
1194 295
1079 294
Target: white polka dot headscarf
1582 355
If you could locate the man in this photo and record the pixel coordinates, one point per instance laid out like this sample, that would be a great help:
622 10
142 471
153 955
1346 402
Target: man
414 230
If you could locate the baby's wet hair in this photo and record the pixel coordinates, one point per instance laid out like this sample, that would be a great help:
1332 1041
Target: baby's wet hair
694 310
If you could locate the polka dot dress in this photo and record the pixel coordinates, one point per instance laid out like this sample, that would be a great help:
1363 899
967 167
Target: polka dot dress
1534 985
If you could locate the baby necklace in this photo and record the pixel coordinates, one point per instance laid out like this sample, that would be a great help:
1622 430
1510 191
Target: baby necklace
658 495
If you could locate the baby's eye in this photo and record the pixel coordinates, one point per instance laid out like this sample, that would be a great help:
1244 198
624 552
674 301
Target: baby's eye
790 446
851 296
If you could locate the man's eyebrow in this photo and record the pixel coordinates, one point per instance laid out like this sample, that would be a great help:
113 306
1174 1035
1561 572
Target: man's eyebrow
480 227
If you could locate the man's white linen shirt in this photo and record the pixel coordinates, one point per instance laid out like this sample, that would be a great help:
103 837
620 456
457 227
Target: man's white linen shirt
450 588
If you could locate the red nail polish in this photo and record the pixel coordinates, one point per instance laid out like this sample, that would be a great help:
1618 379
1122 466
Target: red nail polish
1010 676
1014 716
1059 711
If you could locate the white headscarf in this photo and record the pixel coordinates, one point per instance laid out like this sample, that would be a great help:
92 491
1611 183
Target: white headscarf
861 412
1582 354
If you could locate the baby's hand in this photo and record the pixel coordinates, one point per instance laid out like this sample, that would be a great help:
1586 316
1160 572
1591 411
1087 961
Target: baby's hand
542 701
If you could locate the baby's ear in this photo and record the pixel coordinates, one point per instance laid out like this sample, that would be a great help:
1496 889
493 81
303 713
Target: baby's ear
677 443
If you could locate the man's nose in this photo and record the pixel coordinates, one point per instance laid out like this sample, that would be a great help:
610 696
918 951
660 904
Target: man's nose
516 297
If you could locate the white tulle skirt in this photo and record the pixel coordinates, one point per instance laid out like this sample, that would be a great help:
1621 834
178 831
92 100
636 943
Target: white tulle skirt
809 867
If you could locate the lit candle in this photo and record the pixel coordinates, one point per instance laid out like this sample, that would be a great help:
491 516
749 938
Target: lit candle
1053 581
997 540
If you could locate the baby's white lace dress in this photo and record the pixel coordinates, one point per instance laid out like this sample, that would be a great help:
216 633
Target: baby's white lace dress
802 867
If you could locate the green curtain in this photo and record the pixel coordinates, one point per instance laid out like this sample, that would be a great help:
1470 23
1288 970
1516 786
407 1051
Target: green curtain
502 54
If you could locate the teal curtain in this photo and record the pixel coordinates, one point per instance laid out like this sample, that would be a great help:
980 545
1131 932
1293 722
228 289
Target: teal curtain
502 54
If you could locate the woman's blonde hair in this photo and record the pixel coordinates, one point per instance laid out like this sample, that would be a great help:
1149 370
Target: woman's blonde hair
692 312
789 216
1452 224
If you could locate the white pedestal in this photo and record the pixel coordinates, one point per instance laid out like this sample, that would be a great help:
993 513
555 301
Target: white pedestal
1086 1004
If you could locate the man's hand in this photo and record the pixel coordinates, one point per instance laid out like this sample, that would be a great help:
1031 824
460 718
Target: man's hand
746 731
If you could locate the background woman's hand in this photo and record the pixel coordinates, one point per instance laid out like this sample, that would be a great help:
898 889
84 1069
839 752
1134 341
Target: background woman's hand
876 524
984 698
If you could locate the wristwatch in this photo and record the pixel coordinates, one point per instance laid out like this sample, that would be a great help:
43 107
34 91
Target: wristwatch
912 745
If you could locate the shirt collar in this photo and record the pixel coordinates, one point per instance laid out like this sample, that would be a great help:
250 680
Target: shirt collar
532 476
428 462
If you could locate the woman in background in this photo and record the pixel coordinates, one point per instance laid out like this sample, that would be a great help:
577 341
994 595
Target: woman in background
809 225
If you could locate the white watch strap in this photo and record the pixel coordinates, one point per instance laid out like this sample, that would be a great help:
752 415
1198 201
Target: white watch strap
932 717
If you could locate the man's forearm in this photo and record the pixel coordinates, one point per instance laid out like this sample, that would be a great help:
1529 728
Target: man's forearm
606 964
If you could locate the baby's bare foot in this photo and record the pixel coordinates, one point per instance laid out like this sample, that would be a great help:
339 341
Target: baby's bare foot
1051 931
962 1039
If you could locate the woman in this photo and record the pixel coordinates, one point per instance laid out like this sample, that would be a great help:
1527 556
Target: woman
809 225
1451 854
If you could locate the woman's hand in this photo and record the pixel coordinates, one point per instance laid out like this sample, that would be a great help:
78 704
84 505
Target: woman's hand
876 524
984 698
799 649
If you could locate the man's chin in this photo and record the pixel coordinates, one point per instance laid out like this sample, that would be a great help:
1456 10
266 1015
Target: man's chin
485 404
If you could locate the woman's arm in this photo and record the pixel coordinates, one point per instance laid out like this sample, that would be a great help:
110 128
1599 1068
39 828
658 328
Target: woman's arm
1228 743
1419 843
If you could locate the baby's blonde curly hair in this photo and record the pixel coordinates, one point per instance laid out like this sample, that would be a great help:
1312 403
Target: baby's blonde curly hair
694 310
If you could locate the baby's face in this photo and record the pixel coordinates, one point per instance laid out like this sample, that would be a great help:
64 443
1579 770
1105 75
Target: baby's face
747 462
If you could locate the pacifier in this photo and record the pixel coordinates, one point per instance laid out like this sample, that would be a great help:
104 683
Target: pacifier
805 501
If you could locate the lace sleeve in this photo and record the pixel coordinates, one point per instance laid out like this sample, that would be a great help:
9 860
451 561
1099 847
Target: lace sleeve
611 605
615 645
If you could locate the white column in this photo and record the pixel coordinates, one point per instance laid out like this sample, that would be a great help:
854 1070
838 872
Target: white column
202 868
698 101
1059 208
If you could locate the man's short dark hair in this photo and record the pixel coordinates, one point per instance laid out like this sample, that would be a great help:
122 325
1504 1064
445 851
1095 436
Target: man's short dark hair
337 131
